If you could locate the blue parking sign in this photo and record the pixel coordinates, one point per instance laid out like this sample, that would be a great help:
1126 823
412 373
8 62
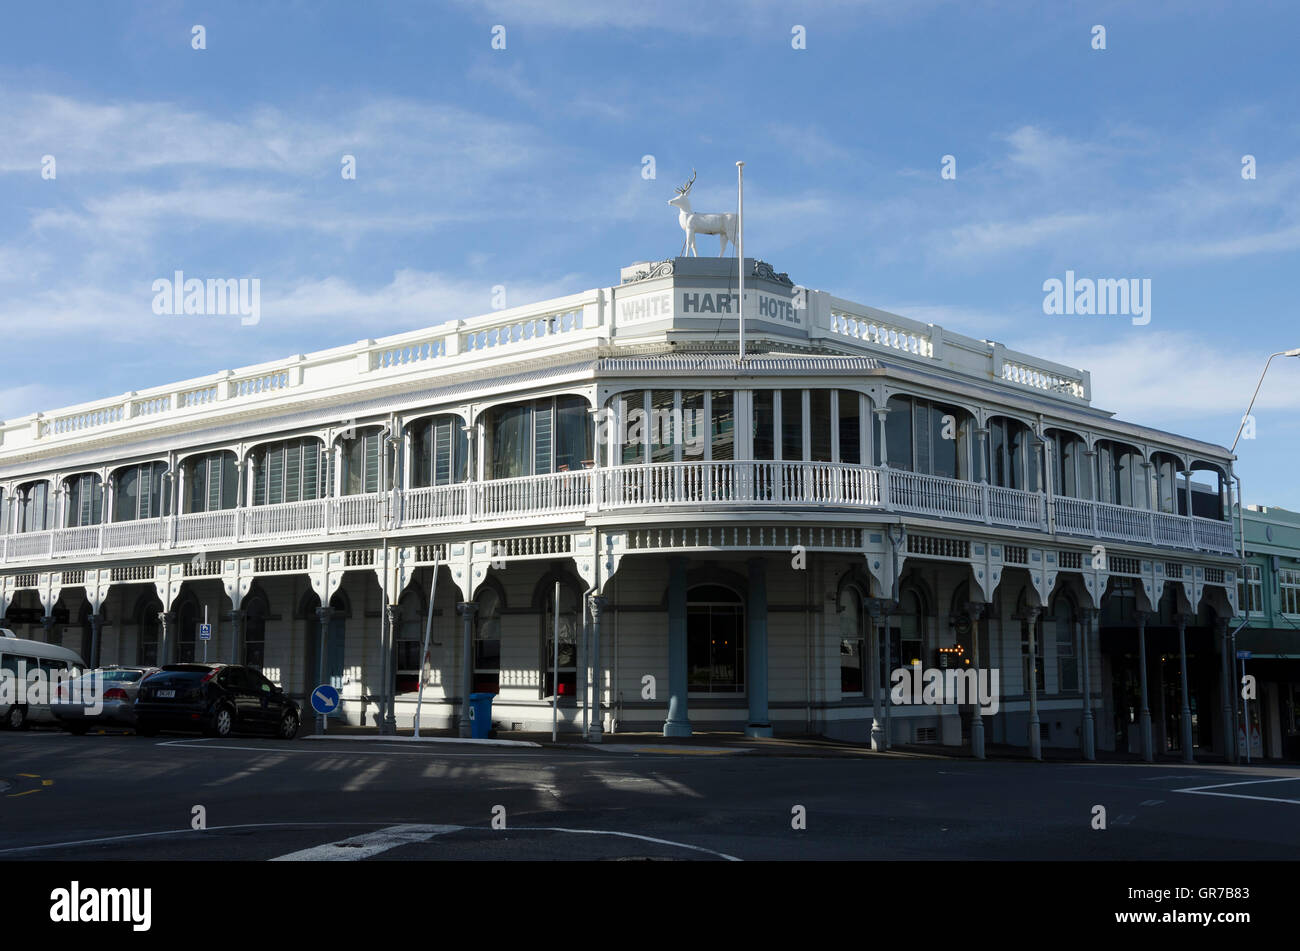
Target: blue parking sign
205 632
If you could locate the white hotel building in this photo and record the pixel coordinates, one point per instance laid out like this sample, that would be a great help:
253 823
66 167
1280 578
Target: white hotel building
862 486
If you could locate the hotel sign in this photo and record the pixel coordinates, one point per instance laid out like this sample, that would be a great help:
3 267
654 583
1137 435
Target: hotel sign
695 302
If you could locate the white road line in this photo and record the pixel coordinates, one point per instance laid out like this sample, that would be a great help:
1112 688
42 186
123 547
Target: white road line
367 844
1205 790
186 831
628 835
1152 802
197 743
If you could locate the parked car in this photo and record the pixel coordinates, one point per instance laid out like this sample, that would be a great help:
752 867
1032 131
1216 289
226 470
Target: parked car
217 699
116 687
20 657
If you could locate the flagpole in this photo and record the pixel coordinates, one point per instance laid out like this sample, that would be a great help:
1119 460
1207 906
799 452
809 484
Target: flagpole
740 249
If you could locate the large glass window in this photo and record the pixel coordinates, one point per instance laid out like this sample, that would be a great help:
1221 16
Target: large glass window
1068 462
409 641
695 427
255 613
850 406
1039 668
764 425
35 507
722 425
665 425
141 492
898 433
906 636
85 500
6 512
792 424
1066 661
146 620
292 471
1008 448
362 463
439 451
213 482
546 435
715 634
187 630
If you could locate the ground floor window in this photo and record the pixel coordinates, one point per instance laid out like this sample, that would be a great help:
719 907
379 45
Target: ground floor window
851 642
487 643
715 640
255 612
147 624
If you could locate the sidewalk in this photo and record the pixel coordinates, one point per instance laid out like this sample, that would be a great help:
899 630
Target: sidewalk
786 746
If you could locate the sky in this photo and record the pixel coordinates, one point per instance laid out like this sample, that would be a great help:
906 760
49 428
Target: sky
525 167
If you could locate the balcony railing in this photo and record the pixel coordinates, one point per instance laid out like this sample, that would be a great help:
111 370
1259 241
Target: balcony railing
566 496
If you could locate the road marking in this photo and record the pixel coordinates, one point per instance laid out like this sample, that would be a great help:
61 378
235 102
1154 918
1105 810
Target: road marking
202 744
628 835
1205 790
367 844
679 751
1152 802
185 832
17 794
1153 779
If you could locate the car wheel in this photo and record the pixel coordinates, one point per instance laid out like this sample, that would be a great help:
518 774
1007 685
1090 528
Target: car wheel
145 729
223 722
76 729
17 718
288 725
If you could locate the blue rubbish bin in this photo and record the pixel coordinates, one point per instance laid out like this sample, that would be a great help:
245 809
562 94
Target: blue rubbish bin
480 715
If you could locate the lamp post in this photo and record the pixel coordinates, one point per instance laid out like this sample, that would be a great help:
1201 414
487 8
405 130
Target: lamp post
1241 519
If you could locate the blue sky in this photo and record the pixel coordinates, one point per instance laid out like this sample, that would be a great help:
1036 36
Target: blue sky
522 167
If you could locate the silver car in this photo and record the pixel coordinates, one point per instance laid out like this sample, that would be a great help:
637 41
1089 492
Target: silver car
118 687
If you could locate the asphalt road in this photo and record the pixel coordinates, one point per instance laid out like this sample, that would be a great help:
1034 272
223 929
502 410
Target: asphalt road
126 797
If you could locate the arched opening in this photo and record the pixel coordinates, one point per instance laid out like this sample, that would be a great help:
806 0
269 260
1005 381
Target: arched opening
1121 476
538 437
561 669
141 491
211 482
487 641
439 451
35 507
408 639
1069 461
715 640
853 640
85 495
188 617
1039 672
293 470
256 610
1010 453
148 628
323 663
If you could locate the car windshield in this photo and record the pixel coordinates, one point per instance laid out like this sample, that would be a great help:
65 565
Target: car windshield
120 676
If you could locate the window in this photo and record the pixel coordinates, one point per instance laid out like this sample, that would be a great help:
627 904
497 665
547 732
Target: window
722 425
6 506
1039 669
35 507
292 471
439 451
212 481
85 501
1008 453
1250 590
1288 580
715 631
695 439
571 616
141 492
409 640
362 462
487 643
764 425
255 613
147 624
898 433
850 427
665 426
550 435
792 424
1068 464
187 629
852 642
906 641
1066 661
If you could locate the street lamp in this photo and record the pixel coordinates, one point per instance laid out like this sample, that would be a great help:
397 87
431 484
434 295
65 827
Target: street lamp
1280 353
1241 522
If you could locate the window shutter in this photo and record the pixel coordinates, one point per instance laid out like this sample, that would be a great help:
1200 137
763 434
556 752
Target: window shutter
921 436
293 473
275 475
442 452
311 458
372 463
543 428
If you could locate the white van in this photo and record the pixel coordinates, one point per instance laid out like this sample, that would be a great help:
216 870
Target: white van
16 651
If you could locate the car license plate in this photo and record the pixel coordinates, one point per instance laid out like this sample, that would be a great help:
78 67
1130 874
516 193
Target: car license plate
164 693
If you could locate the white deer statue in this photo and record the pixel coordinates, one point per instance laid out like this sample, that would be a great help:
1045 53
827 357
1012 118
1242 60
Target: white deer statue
693 223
